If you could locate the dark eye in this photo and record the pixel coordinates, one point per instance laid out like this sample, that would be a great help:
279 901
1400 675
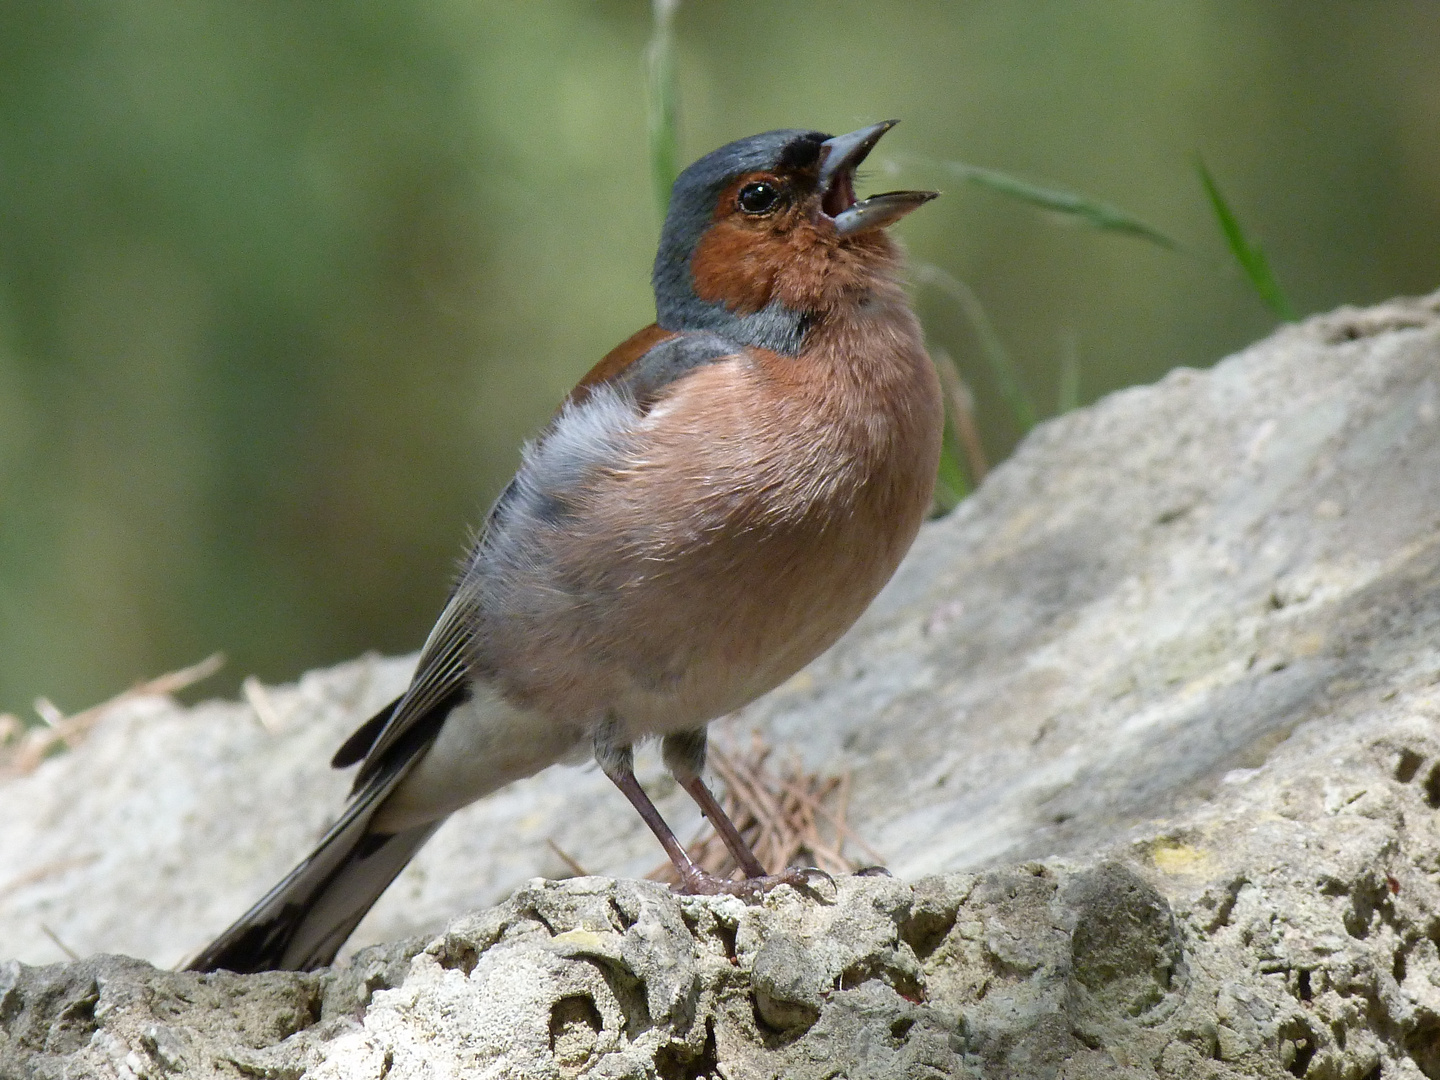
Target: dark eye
759 198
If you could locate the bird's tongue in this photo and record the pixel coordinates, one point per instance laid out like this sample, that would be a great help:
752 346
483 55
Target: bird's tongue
841 195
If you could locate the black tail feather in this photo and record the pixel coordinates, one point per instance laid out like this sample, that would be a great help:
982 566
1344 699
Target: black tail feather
362 738
302 922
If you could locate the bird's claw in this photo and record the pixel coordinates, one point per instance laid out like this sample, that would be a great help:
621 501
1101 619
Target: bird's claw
873 871
806 872
701 883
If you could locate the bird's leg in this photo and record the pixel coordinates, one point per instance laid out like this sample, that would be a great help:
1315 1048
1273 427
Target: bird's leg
616 760
684 754
685 758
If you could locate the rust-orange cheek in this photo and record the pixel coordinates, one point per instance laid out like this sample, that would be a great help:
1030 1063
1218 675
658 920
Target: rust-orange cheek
745 265
736 266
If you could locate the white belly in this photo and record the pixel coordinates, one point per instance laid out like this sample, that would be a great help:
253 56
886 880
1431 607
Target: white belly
483 745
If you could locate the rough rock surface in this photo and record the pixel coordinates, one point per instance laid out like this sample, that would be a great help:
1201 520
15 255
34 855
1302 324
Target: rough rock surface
1183 649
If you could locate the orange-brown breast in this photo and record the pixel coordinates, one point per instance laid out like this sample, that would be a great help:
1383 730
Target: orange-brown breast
764 502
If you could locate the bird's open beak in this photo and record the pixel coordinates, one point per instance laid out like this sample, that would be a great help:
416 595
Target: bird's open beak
839 158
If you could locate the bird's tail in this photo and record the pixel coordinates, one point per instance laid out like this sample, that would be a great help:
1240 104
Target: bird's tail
301 923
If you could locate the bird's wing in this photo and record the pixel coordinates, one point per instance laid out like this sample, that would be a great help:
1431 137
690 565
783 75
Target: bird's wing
671 360
617 360
642 368
647 362
442 681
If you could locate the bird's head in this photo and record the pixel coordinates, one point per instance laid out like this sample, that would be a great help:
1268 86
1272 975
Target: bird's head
765 233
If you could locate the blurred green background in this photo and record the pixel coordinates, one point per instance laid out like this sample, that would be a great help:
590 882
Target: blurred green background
284 286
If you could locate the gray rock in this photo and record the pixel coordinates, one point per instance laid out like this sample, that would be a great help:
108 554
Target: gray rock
1156 710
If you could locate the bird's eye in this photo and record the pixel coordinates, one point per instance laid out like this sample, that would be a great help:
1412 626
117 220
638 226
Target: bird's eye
759 198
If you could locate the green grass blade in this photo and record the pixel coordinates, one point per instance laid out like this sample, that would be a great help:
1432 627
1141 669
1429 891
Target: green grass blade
1002 368
662 103
962 437
1079 208
1249 255
951 485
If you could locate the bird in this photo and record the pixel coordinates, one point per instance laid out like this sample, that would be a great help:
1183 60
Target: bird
712 506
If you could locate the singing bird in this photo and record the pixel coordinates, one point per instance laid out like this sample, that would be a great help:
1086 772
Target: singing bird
713 505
